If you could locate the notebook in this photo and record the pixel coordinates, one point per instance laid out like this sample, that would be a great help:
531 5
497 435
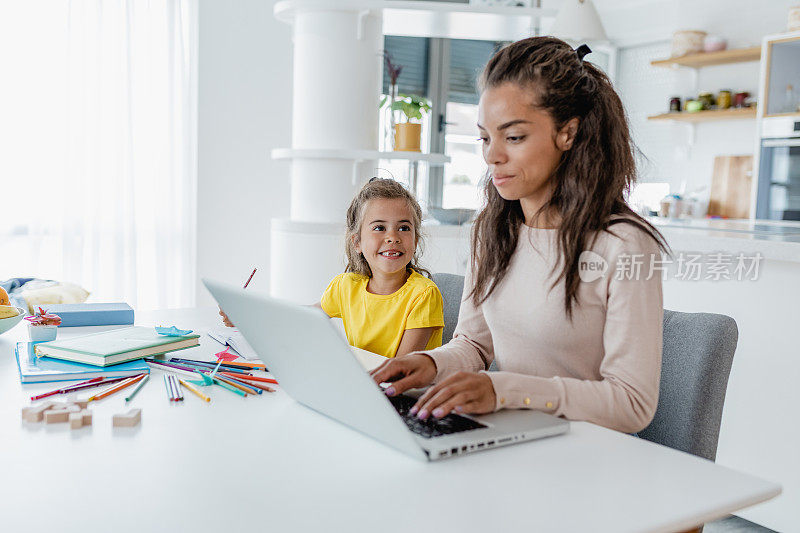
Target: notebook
234 339
115 346
34 369
93 314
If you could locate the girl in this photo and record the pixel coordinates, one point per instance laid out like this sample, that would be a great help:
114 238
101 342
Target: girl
560 158
386 303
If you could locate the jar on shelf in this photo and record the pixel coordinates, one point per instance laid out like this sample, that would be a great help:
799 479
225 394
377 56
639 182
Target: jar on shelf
724 99
707 99
674 104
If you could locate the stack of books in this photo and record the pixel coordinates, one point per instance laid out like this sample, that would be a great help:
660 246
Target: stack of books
116 352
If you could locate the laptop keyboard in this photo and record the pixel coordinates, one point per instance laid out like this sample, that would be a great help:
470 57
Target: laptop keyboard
431 427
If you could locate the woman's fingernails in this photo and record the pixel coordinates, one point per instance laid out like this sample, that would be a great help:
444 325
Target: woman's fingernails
423 414
438 412
390 391
413 410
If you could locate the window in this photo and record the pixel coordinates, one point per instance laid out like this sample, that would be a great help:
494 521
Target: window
446 71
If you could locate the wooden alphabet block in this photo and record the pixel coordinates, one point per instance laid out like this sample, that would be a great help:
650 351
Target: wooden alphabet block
129 419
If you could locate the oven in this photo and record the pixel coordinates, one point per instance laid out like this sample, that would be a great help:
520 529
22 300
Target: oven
778 196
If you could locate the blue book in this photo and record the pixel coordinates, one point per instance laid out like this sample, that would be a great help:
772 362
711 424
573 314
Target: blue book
34 369
93 314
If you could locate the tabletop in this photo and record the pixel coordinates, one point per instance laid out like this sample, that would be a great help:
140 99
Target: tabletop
267 462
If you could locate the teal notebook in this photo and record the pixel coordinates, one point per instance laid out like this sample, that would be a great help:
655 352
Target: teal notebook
115 346
34 369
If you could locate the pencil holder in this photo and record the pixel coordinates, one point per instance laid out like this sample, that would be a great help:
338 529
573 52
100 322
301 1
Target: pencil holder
42 333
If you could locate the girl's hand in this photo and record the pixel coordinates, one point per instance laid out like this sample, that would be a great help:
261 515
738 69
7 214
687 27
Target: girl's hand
463 392
225 319
405 372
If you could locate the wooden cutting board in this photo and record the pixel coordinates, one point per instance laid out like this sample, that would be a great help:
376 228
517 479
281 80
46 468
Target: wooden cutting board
731 186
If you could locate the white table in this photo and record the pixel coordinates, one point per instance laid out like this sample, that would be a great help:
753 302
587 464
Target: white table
267 463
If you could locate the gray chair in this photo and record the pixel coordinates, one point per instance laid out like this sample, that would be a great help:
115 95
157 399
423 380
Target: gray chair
452 287
697 357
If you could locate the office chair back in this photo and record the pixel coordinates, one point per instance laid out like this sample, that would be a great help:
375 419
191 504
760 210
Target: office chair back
697 356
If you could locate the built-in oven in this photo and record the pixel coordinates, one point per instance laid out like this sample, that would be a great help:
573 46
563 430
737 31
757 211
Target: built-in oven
778 196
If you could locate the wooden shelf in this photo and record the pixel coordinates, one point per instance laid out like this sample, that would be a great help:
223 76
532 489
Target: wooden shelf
707 116
711 58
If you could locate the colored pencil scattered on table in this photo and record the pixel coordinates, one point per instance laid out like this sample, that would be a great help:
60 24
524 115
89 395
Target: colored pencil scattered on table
96 382
195 390
252 378
118 387
176 388
138 388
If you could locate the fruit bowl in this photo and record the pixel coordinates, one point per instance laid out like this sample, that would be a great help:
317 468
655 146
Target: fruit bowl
8 323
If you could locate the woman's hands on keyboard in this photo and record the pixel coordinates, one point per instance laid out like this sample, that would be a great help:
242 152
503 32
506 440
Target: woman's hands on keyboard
463 392
410 371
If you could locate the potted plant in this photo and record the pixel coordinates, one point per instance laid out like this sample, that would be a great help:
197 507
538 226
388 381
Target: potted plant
393 70
43 326
408 134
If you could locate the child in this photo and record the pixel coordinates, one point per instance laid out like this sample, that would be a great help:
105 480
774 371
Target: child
388 306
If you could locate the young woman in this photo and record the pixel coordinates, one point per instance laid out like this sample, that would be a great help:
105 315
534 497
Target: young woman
560 157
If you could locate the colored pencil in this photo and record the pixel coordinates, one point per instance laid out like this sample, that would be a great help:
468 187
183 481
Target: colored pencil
138 388
169 389
252 378
238 385
174 368
229 387
176 387
237 366
246 283
211 366
111 390
61 390
195 390
95 384
261 386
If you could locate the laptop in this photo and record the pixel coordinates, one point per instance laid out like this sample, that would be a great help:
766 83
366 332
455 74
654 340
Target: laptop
315 366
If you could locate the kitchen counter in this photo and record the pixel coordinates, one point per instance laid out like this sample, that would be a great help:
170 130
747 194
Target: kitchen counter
775 240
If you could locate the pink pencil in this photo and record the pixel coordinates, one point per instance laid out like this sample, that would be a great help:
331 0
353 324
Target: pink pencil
248 279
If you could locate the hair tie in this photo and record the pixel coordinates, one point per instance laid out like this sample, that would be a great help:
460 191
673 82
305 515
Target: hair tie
582 50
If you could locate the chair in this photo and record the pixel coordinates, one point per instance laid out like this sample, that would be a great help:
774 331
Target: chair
698 352
452 287
697 356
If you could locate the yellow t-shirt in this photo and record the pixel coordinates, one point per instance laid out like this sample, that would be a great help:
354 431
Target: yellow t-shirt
376 322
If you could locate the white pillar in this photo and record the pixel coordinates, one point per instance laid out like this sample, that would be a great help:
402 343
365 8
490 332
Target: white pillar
336 91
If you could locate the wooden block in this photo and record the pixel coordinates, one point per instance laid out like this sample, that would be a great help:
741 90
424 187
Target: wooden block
35 413
129 419
59 415
87 417
81 403
75 420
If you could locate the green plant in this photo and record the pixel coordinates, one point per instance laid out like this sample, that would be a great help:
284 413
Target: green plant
412 106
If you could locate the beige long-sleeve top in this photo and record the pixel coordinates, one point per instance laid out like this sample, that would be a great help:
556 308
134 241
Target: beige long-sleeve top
603 367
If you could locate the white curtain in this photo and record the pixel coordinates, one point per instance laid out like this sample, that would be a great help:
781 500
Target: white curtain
98 159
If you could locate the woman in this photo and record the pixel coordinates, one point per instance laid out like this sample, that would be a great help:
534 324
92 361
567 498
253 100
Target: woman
560 157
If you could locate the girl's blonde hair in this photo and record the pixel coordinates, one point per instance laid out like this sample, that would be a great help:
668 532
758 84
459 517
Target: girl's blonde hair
386 189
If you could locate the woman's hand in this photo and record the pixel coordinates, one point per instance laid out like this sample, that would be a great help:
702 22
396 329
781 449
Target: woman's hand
463 392
225 319
405 372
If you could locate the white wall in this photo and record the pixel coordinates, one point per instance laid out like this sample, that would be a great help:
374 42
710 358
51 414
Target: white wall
244 110
644 29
